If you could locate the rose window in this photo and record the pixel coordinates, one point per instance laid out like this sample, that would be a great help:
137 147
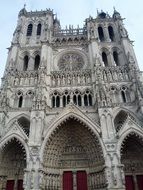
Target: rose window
71 61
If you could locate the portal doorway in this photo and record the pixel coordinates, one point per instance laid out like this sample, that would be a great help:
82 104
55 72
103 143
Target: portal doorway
12 165
74 148
132 158
75 180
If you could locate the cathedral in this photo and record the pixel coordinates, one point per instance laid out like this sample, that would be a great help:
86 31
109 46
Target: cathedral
71 106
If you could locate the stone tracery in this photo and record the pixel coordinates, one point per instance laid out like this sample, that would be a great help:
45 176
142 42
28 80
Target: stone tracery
71 61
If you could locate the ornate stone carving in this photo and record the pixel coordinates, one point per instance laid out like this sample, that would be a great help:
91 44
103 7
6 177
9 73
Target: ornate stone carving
71 61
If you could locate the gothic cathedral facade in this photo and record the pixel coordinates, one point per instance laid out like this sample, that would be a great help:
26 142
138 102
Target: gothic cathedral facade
71 106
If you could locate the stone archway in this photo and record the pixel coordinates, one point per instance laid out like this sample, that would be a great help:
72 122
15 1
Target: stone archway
12 165
132 159
73 158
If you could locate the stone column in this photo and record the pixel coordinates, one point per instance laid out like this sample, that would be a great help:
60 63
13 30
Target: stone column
74 181
106 33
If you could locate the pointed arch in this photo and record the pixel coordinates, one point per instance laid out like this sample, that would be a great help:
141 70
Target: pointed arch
29 29
63 118
21 140
132 130
39 27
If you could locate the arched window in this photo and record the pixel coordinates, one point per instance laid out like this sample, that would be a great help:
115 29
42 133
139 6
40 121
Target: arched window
75 99
90 99
104 59
101 33
20 101
85 100
39 29
57 101
64 101
68 99
111 33
116 58
123 96
53 101
25 65
29 30
37 62
79 100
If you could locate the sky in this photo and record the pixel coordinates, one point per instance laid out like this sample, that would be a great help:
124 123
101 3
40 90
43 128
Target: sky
72 12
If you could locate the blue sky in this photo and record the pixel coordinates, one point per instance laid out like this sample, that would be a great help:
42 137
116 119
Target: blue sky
72 12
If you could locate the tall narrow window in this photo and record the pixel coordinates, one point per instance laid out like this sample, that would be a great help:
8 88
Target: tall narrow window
111 33
64 101
123 96
53 101
29 30
39 29
79 100
100 33
68 99
104 59
37 62
85 100
75 99
25 65
116 58
20 102
90 100
57 101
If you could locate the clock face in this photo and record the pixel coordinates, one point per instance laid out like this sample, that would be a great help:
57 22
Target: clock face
71 61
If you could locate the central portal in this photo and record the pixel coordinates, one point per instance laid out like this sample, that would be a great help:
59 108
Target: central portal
73 158
75 180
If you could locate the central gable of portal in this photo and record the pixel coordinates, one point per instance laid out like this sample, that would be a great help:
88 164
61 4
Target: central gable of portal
72 111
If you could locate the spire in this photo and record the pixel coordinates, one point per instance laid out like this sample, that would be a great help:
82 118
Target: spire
23 10
116 14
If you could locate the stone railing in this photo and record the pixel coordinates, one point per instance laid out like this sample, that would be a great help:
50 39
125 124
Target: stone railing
72 78
70 32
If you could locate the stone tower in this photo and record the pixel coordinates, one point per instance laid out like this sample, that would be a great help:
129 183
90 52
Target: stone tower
71 106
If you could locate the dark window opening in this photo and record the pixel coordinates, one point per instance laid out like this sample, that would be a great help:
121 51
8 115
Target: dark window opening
25 66
29 30
111 33
116 58
123 96
90 100
39 29
79 100
85 100
75 100
20 102
64 101
68 99
104 59
100 33
53 101
37 62
57 101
